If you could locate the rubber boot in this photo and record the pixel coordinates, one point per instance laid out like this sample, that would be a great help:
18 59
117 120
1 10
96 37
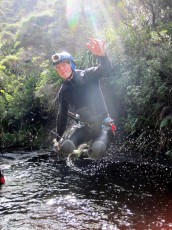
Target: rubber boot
97 150
67 147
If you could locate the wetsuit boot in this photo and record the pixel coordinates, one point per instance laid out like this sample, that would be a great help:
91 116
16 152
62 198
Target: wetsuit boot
97 150
67 147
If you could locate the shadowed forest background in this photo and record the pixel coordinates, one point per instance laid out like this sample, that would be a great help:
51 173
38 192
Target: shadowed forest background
138 92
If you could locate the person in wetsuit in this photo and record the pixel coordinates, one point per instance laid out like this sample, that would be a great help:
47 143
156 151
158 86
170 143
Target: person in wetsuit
81 90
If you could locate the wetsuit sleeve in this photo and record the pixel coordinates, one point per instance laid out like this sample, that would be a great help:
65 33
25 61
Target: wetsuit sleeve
102 70
62 116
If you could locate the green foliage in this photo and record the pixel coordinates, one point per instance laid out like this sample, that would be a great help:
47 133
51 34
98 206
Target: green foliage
8 140
7 41
131 124
165 123
48 86
10 62
12 28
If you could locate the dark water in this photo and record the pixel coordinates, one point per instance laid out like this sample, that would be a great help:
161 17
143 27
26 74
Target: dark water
43 193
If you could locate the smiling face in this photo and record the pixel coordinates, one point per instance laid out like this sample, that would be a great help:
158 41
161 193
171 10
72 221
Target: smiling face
64 70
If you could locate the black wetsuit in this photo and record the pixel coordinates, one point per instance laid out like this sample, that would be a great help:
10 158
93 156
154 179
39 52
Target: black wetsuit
84 95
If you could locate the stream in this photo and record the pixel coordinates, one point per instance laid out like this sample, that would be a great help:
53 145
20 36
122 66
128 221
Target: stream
42 192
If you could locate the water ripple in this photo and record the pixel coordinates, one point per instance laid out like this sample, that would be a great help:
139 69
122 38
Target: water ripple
42 193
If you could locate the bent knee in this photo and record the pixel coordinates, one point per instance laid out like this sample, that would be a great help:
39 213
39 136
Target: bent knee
97 150
67 147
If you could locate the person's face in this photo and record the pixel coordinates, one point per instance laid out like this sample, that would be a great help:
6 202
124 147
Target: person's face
64 70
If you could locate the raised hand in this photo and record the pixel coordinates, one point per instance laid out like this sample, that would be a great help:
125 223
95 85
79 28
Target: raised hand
97 47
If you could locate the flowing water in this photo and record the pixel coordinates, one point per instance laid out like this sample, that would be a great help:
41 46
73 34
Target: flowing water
44 193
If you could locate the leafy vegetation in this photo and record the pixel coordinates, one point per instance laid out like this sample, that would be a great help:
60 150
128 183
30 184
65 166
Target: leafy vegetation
138 35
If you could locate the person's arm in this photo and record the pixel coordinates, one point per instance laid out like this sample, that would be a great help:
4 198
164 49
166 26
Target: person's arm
97 47
62 117
100 71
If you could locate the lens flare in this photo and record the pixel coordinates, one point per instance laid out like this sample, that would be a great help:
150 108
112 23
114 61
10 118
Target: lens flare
91 14
72 14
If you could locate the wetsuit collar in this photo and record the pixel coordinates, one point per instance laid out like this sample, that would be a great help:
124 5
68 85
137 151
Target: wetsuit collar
71 76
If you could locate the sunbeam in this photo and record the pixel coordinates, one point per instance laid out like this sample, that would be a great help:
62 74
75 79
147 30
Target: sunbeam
81 11
88 13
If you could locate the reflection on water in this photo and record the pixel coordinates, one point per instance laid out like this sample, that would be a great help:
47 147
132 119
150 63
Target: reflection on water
42 193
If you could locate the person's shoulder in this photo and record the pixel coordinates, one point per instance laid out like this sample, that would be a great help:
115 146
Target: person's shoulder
78 71
78 75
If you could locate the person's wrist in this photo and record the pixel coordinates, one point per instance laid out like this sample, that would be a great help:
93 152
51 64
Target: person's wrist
101 56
